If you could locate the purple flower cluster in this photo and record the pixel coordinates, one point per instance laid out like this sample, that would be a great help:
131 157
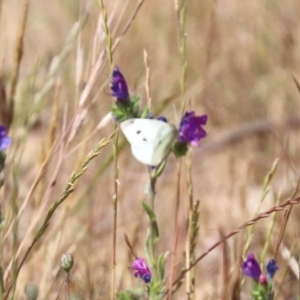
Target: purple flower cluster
119 86
191 129
252 269
140 270
4 139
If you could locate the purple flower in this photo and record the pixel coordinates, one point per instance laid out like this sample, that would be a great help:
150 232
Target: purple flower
251 267
4 139
141 270
271 268
190 128
119 86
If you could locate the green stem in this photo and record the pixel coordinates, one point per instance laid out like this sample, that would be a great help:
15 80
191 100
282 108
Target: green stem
151 201
115 210
67 285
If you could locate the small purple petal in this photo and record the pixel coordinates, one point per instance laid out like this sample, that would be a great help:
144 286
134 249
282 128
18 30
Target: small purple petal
190 128
162 118
119 86
251 267
140 270
203 119
4 139
271 268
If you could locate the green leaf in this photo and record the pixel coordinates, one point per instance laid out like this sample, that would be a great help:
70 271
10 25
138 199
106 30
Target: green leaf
132 294
135 106
145 113
148 248
161 265
153 222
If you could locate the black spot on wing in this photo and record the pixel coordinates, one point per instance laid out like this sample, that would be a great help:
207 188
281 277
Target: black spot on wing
138 132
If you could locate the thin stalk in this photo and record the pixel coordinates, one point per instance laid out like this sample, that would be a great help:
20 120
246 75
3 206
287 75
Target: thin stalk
175 237
151 201
15 211
269 234
18 54
67 285
109 51
180 6
285 221
109 54
151 195
1 282
266 189
190 253
115 210
147 83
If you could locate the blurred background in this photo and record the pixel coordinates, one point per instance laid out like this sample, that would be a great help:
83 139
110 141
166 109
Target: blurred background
241 59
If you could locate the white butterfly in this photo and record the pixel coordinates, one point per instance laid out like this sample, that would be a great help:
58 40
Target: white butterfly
151 140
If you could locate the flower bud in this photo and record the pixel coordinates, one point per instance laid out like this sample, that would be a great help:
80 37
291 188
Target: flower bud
119 86
31 291
67 261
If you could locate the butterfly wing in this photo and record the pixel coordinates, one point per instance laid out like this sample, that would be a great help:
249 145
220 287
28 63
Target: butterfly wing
150 139
143 155
164 142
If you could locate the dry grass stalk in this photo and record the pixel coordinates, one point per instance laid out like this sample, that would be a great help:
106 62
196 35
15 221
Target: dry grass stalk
17 60
4 107
176 227
130 245
147 82
284 222
55 114
128 24
297 83
266 214
225 267
65 194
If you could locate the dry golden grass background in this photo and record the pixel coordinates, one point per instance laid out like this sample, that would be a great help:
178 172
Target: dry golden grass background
241 56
